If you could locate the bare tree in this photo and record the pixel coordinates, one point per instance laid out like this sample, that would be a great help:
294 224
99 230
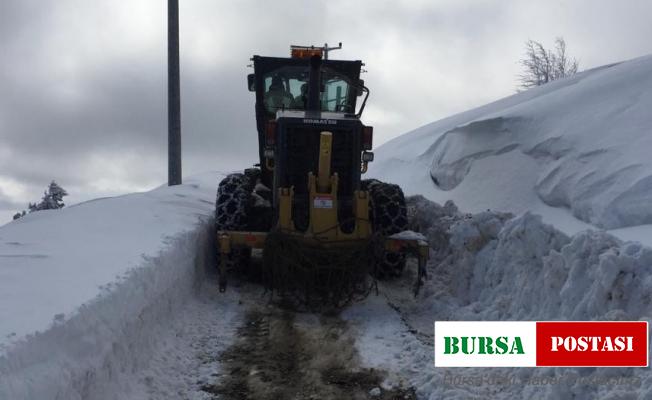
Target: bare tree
542 65
564 66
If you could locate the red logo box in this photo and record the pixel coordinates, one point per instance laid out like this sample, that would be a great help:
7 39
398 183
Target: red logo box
592 344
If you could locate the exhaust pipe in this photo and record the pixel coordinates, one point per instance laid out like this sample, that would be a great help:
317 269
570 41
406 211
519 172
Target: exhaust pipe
314 86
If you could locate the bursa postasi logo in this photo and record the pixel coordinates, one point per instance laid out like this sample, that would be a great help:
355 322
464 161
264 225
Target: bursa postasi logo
541 344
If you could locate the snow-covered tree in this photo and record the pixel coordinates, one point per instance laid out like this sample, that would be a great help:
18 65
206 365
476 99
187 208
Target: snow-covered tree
543 65
52 199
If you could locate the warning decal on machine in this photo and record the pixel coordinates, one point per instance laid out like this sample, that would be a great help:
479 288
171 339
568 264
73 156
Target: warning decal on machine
323 202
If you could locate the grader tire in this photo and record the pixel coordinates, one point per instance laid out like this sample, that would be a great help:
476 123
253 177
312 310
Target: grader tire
232 214
388 215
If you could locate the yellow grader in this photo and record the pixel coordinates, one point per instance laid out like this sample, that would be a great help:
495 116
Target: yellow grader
323 230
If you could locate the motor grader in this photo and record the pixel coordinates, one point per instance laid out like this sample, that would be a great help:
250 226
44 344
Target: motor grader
321 228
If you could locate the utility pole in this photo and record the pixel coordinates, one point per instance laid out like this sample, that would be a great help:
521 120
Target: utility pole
174 96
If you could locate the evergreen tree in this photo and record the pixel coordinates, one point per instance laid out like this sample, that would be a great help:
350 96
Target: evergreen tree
52 199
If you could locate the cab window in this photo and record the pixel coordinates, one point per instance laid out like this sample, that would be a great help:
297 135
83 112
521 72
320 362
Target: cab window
287 88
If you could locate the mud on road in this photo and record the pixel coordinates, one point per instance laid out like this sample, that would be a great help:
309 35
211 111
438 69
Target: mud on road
283 355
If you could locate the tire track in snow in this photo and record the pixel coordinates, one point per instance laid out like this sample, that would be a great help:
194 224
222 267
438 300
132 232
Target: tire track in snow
281 354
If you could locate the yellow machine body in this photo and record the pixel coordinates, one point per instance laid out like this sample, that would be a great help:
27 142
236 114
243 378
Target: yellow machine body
324 227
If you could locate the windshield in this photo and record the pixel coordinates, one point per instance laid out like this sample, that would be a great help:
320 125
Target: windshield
287 88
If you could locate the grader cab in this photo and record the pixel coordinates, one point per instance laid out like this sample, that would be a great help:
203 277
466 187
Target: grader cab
321 228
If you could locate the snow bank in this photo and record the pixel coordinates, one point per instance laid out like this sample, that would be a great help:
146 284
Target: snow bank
84 290
579 144
490 266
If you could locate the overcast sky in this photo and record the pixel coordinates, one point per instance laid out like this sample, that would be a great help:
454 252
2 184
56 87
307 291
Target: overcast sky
83 82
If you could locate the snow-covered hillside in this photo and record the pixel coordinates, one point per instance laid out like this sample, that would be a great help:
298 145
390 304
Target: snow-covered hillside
84 290
579 144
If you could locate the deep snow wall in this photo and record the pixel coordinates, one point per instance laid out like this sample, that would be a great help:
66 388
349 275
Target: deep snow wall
492 266
112 336
84 290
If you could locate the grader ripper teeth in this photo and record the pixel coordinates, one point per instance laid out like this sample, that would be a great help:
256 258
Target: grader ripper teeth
321 234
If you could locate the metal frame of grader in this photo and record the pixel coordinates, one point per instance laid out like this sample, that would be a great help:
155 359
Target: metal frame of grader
324 229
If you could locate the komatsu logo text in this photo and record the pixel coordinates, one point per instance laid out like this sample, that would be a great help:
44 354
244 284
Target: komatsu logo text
320 121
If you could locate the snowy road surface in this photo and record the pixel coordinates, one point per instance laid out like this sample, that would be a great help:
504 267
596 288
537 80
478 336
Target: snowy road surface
282 354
